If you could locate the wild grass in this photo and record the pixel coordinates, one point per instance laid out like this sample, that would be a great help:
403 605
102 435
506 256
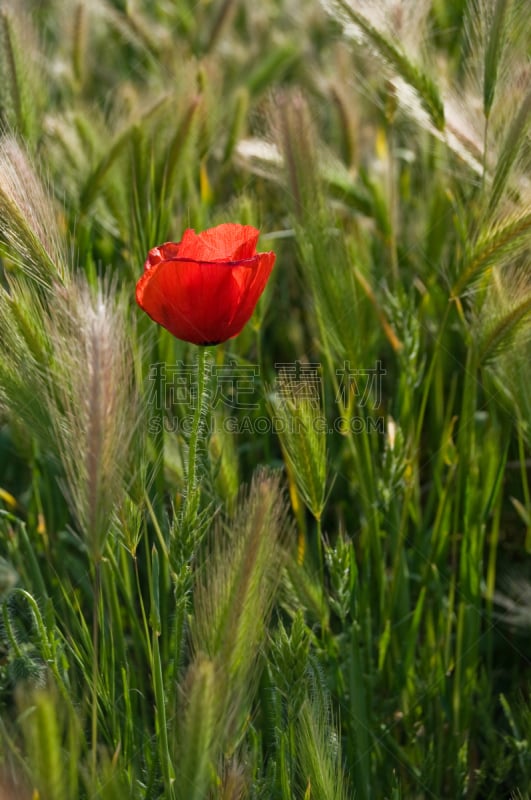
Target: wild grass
298 565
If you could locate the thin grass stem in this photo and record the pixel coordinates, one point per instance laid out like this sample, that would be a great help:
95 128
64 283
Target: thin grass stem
95 669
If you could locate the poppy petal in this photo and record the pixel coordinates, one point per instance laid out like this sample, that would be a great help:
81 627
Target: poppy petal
164 252
255 285
204 288
195 300
227 242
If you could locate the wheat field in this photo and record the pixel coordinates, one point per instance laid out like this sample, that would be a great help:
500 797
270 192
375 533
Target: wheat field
294 563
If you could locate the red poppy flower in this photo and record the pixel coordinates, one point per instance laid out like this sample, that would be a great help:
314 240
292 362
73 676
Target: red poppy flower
204 288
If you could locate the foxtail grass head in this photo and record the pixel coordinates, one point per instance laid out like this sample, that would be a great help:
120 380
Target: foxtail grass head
92 402
29 225
235 592
297 413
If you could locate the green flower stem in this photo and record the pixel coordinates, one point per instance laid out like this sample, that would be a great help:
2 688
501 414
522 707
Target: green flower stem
158 435
9 631
193 489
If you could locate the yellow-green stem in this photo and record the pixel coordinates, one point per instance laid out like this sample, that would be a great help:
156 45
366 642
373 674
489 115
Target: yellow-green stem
95 669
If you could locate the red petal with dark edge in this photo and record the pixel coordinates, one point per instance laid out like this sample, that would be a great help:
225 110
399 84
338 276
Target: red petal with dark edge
204 288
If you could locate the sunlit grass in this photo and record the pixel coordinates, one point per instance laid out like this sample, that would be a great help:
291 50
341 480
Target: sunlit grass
298 566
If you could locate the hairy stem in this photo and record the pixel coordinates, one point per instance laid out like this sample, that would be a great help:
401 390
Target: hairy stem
193 488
